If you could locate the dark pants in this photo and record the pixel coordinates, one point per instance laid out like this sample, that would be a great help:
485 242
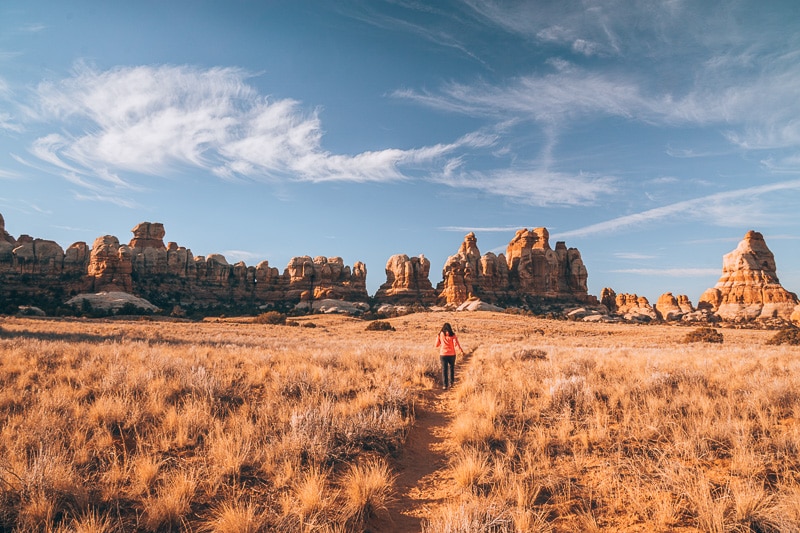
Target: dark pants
448 370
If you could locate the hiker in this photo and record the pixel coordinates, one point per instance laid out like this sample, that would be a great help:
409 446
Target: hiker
448 344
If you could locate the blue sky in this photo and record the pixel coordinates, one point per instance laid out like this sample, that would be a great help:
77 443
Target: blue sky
649 135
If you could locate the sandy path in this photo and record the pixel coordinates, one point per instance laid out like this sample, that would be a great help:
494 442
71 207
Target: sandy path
419 484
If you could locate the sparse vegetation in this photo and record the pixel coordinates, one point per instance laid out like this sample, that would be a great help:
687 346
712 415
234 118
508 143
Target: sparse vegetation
380 325
216 426
789 336
274 318
704 334
226 425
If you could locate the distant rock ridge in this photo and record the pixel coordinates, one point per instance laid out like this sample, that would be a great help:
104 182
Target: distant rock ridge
749 288
166 274
529 272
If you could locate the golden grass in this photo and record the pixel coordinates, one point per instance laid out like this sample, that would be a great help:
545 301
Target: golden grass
235 426
214 426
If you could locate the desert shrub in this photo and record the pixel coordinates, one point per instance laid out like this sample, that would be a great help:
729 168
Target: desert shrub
474 515
529 354
380 325
786 336
366 489
275 318
703 335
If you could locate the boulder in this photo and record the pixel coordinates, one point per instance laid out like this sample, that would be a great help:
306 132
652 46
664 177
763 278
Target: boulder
477 305
749 288
331 306
111 301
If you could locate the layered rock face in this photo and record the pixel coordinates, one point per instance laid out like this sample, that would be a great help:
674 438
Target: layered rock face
529 271
166 274
669 307
749 288
631 307
407 281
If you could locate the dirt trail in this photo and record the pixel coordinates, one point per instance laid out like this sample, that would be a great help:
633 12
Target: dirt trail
419 484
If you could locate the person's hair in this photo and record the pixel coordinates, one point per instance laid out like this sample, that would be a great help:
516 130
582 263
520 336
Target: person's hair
447 329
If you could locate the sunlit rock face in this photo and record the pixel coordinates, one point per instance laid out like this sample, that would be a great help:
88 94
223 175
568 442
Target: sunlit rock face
749 288
407 281
34 269
672 308
530 269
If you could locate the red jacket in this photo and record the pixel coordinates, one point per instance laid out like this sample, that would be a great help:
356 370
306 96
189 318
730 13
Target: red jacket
448 345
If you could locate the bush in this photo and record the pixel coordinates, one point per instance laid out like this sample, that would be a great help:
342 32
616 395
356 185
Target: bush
786 336
529 354
703 335
380 325
271 317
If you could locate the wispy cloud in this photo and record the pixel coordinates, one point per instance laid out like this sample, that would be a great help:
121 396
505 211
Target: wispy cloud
538 187
480 229
634 256
725 208
234 256
154 120
34 27
8 175
671 272
738 77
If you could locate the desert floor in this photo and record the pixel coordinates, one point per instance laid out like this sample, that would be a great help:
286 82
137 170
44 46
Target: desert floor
231 425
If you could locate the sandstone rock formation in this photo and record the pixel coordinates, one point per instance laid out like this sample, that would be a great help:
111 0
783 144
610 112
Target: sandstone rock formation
630 307
530 272
795 317
749 288
671 308
39 270
407 281
110 265
4 236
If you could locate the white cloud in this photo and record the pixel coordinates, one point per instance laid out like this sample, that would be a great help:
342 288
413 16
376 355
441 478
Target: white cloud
671 272
489 229
634 256
731 208
154 120
234 256
538 187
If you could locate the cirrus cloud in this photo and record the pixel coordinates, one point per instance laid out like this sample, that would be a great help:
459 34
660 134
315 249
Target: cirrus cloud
155 119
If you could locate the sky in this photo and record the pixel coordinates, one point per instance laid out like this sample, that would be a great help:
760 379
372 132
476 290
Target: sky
650 135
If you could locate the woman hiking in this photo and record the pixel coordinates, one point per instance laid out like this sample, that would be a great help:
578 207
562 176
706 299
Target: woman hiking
448 344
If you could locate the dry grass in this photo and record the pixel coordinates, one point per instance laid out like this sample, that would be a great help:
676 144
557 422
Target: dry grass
217 426
115 426
623 428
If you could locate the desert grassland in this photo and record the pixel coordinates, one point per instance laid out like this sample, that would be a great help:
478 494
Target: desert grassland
213 426
568 427
234 426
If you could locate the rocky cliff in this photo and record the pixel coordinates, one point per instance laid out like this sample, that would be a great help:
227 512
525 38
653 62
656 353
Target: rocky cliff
529 272
167 275
749 288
